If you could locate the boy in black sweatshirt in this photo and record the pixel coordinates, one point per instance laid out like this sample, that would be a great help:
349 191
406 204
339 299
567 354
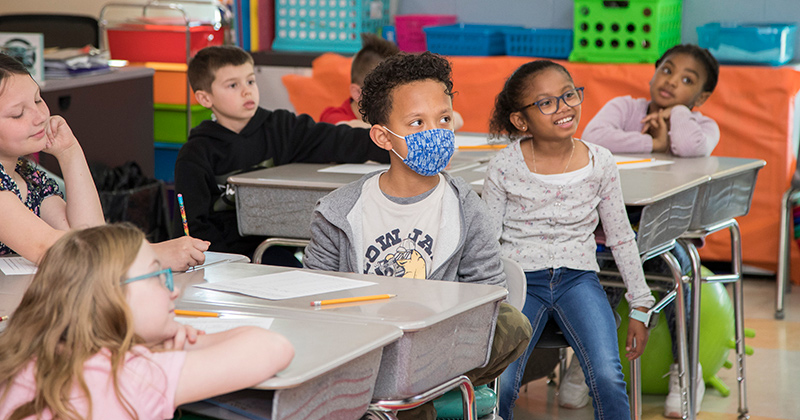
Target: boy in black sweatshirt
244 137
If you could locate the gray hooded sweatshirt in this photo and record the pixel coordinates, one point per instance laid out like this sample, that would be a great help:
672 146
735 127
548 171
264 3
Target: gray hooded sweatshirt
470 253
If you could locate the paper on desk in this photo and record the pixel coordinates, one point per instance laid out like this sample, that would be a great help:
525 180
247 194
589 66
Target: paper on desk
17 266
285 285
632 162
215 325
354 168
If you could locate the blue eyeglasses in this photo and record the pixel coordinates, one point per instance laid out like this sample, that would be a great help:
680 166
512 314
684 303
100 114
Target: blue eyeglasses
164 275
549 105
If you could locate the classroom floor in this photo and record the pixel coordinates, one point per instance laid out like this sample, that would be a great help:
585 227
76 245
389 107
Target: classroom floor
772 372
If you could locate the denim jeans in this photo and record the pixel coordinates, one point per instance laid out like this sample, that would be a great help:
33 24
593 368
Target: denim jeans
658 266
578 304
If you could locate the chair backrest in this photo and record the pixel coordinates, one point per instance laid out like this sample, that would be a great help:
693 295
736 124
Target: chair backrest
65 31
515 280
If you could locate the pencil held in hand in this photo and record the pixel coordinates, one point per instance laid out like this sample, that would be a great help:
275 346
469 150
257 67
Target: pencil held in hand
183 215
183 312
350 299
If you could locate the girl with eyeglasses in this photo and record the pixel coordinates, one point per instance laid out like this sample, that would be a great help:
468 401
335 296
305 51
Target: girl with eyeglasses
95 337
547 192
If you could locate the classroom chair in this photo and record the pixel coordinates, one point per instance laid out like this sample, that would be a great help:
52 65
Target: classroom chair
784 285
65 31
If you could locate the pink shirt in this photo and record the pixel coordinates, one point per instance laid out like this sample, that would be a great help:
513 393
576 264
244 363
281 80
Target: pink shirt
618 128
147 380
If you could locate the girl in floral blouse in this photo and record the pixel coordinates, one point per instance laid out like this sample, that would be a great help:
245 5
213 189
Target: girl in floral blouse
35 213
547 192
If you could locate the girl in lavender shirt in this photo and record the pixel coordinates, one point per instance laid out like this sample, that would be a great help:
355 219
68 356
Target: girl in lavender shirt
685 77
548 191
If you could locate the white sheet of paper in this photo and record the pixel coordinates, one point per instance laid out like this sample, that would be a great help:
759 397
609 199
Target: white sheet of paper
631 162
215 325
471 140
354 168
478 182
17 266
286 285
481 168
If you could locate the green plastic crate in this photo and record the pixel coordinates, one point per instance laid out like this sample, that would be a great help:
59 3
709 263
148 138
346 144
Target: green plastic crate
169 121
634 31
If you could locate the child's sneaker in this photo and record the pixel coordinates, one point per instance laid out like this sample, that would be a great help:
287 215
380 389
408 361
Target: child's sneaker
573 392
672 405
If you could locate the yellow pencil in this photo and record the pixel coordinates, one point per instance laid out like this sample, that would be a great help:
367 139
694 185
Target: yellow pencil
182 312
350 299
3 318
625 162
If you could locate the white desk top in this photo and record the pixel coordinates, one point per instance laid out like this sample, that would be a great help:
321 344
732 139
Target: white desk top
343 341
418 304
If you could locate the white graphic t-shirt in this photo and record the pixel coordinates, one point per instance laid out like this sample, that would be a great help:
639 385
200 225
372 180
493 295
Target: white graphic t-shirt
400 233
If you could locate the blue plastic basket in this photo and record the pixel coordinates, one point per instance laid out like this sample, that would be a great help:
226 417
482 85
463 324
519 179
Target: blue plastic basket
327 25
467 39
761 43
547 43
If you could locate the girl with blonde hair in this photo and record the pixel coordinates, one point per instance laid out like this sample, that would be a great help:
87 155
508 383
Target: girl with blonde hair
95 336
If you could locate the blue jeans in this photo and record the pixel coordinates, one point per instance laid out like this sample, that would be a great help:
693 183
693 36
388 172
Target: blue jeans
578 304
659 266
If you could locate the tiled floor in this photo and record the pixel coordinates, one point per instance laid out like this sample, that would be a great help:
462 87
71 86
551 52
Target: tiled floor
772 372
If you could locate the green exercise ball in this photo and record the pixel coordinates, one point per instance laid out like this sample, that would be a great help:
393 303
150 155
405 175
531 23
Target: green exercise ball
716 334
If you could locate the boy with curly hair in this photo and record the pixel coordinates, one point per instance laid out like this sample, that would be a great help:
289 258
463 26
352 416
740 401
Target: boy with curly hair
413 220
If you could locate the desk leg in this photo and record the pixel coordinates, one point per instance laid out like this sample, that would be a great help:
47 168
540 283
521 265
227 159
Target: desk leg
784 254
687 390
694 331
738 305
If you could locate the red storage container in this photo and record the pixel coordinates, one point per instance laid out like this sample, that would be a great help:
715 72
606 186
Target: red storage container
165 43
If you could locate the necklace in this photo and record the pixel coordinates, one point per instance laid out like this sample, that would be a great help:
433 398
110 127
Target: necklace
533 157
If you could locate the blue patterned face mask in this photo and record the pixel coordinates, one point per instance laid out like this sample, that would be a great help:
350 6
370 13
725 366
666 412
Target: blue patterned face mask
429 151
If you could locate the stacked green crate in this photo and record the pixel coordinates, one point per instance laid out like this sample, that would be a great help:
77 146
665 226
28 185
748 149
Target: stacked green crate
169 133
634 31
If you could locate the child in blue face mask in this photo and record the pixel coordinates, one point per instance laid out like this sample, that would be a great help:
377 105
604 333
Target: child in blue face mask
413 220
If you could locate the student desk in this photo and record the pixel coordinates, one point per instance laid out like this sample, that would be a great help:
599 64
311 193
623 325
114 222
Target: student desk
447 326
332 375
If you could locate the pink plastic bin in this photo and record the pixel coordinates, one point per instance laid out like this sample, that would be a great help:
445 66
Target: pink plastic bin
410 37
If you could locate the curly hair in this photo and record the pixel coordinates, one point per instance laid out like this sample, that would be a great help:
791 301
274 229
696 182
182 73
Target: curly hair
509 100
398 70
703 56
